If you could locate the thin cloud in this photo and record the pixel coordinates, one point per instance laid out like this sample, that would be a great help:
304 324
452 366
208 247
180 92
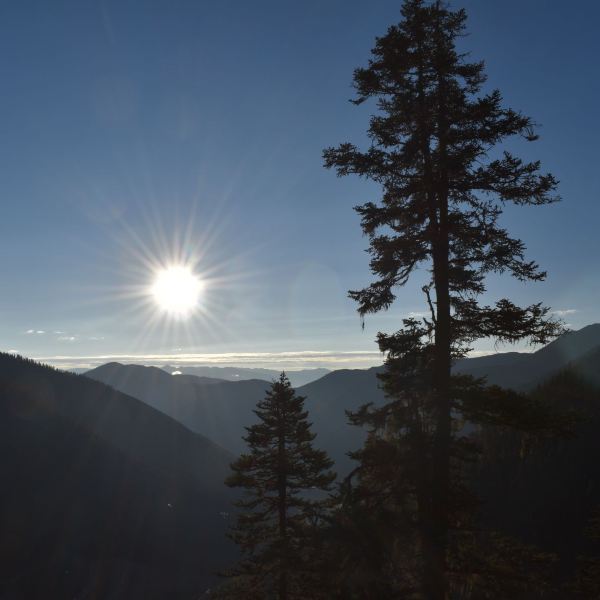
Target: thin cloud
478 353
285 360
564 312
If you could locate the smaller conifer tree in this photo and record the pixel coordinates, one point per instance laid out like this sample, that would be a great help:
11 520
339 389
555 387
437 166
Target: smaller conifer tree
285 481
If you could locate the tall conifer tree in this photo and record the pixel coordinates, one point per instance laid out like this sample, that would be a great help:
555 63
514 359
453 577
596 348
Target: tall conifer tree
284 480
434 141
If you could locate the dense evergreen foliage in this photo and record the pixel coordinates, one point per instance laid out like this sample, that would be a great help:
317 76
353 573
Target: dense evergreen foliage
434 151
544 489
284 479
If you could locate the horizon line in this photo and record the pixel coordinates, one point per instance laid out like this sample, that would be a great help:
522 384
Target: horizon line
291 360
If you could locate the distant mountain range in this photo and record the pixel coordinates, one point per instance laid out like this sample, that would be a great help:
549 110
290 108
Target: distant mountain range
103 496
220 409
297 378
523 371
215 408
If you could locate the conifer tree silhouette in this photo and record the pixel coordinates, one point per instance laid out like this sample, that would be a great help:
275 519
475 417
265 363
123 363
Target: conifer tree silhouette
434 140
284 480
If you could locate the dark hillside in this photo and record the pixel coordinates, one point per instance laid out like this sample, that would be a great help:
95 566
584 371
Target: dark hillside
545 492
103 496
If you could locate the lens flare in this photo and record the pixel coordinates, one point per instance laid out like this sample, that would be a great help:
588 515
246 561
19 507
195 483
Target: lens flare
176 291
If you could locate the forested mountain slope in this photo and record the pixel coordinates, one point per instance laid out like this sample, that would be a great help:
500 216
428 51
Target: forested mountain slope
103 496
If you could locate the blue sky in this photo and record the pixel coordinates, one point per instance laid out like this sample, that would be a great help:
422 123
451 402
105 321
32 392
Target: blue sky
133 132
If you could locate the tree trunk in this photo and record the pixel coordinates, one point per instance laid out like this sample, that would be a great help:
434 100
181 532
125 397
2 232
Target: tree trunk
440 489
282 509
438 586
440 493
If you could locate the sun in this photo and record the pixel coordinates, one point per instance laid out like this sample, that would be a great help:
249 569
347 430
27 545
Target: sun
176 290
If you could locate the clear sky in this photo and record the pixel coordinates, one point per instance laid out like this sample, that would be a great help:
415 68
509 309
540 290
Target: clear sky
136 132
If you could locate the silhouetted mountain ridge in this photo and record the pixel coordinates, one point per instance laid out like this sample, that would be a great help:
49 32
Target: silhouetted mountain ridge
220 409
522 371
103 496
296 377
